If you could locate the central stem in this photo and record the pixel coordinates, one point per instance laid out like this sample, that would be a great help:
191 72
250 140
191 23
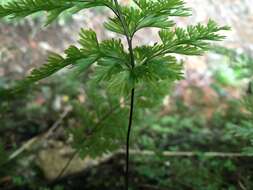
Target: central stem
128 138
129 37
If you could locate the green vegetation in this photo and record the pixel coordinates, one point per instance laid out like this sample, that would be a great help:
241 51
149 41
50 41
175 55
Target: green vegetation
107 87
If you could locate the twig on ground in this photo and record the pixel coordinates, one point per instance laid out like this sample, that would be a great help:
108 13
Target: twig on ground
47 134
189 154
165 153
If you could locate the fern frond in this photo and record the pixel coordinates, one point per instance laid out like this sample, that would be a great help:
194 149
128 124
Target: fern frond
136 20
23 8
89 42
191 41
148 14
160 68
112 51
163 7
54 63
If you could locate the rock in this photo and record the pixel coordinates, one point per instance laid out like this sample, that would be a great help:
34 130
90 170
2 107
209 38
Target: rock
54 158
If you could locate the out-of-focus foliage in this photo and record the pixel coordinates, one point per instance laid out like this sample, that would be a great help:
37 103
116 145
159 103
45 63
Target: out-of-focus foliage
187 128
241 67
193 173
236 66
4 156
244 129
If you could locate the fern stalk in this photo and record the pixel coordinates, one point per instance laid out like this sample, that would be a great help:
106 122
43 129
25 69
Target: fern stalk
128 138
130 120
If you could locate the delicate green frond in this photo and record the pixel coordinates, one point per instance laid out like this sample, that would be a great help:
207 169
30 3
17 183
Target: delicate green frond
106 71
153 64
73 53
23 8
113 47
163 7
191 41
115 77
55 63
156 21
112 51
79 59
114 25
146 53
160 68
109 54
121 83
148 14
89 43
121 80
136 19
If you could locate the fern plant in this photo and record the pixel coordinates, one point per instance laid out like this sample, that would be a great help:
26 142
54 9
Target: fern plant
125 71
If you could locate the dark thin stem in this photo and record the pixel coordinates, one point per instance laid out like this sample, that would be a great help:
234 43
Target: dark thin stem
128 139
130 48
126 31
129 37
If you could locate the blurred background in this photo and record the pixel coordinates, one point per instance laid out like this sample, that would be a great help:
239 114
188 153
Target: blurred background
210 111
